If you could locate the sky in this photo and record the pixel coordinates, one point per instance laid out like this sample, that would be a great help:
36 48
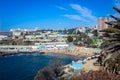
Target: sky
53 14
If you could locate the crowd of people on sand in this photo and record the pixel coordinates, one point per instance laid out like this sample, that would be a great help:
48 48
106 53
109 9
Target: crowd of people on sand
75 51
91 54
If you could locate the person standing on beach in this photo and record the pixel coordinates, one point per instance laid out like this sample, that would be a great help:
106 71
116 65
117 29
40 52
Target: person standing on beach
100 60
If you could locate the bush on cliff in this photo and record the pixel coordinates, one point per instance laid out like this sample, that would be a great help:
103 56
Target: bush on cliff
50 72
95 75
70 39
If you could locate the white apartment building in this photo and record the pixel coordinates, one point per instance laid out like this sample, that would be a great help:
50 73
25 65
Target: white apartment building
81 29
2 37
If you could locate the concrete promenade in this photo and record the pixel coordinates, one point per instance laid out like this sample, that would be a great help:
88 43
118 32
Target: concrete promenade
17 48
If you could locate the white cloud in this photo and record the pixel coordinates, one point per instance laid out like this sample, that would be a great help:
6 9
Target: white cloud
59 23
117 4
61 8
84 15
116 15
84 12
75 17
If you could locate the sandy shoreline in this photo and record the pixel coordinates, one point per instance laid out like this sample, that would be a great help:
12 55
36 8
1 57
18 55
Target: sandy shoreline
75 51
81 52
89 65
78 52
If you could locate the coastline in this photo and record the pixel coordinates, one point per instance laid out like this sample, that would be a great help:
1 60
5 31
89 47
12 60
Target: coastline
14 53
82 54
68 69
76 52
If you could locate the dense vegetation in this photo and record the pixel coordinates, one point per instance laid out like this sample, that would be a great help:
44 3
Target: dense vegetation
111 58
95 75
70 39
50 72
82 39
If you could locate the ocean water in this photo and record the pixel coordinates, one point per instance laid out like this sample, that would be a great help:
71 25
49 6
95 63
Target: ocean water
26 66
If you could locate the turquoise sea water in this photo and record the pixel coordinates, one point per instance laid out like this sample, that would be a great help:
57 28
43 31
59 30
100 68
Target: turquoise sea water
25 67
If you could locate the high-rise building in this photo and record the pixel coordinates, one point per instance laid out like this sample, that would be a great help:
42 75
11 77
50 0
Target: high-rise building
101 23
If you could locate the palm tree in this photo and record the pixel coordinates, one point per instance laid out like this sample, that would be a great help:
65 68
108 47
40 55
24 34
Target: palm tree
112 48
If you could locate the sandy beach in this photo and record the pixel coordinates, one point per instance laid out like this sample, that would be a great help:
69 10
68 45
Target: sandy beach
79 52
89 65
76 51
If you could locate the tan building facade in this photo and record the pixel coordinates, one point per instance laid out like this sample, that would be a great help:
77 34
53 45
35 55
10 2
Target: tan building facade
101 23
